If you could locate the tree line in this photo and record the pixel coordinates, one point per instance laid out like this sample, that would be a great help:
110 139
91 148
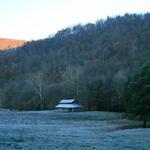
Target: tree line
91 63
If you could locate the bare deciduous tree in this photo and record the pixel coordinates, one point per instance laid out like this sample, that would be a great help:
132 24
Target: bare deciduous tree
38 82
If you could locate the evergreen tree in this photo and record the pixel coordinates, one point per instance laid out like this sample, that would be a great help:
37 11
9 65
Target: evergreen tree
137 94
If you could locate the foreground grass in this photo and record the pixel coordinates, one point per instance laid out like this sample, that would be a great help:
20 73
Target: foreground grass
49 130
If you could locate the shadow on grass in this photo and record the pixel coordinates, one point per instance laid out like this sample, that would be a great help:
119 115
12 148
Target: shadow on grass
132 126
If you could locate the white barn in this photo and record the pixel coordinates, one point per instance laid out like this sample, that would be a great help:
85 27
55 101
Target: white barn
70 105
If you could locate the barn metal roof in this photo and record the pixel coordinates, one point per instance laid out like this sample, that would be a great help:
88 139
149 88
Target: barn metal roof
68 106
67 101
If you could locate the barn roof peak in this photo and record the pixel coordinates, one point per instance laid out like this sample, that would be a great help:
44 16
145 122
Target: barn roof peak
67 101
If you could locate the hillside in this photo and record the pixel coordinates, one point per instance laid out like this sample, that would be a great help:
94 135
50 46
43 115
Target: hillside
10 43
89 62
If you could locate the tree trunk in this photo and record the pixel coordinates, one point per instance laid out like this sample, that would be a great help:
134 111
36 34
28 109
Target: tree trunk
144 123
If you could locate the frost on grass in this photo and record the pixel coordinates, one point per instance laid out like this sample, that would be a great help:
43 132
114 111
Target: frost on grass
48 130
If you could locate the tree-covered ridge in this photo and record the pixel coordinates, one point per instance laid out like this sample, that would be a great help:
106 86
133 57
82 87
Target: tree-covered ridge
89 62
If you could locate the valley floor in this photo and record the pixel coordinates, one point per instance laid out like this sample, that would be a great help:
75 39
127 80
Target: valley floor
50 130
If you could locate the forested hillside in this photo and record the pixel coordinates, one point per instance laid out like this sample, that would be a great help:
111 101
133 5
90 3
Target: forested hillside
89 62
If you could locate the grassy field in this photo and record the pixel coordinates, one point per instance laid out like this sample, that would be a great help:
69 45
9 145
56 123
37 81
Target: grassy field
50 130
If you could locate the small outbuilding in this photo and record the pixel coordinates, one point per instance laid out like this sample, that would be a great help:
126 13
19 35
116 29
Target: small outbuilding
70 105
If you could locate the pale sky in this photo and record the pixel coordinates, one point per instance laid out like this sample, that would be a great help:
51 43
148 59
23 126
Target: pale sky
37 19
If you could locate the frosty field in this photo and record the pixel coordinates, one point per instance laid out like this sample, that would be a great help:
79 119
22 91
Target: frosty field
50 130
